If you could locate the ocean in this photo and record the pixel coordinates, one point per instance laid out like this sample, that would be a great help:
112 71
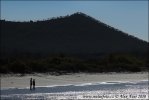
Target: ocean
120 90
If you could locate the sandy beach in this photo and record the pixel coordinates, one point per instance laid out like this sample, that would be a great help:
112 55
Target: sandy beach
18 81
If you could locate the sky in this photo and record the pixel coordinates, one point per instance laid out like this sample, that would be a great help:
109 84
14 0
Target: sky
129 16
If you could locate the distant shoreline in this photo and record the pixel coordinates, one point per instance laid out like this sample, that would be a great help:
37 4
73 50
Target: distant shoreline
65 73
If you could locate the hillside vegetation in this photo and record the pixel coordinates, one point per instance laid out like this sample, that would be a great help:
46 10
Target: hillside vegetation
65 64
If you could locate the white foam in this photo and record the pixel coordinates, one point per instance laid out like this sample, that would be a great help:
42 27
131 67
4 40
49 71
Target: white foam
82 84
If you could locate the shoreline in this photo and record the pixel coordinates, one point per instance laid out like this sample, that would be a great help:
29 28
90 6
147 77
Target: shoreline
60 74
19 81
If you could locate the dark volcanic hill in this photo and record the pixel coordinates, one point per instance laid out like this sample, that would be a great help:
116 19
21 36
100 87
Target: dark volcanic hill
74 34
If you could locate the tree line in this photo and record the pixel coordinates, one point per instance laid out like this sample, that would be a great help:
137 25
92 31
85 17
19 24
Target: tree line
67 64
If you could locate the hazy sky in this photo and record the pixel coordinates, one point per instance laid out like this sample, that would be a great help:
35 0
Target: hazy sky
128 16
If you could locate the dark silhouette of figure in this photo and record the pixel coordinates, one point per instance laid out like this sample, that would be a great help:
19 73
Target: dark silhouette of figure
33 84
30 83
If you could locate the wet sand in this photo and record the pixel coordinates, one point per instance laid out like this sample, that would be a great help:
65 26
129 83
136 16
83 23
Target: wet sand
18 81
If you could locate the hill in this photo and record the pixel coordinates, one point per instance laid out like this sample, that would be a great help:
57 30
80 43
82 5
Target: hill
74 34
73 43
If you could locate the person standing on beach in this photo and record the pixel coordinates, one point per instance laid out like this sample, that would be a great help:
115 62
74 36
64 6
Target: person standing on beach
33 84
30 83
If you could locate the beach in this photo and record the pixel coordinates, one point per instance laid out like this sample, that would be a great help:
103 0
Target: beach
19 81
78 86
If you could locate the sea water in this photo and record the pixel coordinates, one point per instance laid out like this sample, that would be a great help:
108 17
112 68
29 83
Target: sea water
136 90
